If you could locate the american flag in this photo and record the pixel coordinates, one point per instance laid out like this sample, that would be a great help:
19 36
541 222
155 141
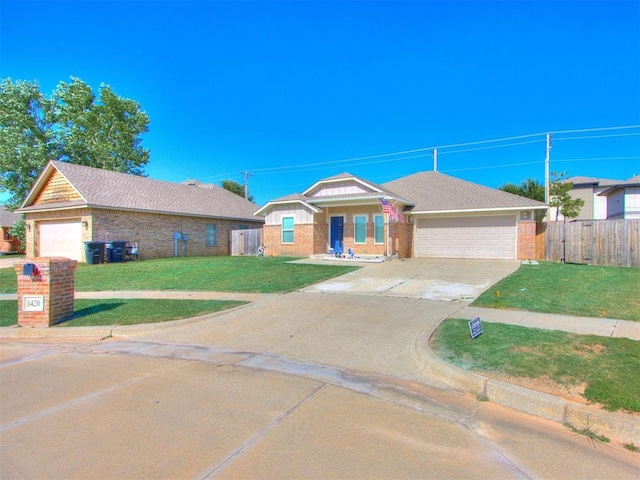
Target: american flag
389 209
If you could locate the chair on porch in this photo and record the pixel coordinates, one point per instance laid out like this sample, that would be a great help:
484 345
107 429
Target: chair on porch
338 249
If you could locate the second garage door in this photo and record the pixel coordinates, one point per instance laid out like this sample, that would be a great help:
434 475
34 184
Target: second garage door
467 237
61 239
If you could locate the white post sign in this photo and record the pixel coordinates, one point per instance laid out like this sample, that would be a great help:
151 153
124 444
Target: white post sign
33 303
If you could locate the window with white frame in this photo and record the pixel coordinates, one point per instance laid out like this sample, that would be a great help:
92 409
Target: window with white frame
378 229
212 235
287 229
360 228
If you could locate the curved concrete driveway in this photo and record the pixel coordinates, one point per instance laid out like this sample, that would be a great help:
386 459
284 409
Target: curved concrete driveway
430 279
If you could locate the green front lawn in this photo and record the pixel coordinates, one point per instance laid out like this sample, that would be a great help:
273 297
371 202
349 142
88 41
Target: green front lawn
224 274
609 367
583 290
126 312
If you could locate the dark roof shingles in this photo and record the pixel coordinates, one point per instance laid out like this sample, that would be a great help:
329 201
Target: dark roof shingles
434 191
108 189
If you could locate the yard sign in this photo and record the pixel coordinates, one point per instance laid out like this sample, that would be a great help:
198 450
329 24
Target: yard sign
475 327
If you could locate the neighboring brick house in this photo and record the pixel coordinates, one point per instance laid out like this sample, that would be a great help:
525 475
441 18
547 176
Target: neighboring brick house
71 204
444 217
8 244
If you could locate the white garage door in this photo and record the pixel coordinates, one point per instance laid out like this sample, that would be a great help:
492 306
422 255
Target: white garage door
61 239
467 237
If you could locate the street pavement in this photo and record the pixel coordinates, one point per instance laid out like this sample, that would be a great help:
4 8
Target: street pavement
311 384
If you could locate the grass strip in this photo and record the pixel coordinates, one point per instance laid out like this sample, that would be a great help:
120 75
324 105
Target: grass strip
223 274
610 367
126 311
583 290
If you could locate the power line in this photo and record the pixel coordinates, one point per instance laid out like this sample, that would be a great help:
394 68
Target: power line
599 136
331 162
401 155
596 129
495 166
454 145
597 159
492 146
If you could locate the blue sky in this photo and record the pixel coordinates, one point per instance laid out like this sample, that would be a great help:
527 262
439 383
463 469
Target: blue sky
288 90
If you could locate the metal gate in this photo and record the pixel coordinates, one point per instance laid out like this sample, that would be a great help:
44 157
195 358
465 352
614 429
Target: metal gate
245 242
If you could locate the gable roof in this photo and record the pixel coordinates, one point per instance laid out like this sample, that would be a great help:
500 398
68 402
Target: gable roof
377 190
100 188
313 202
422 192
437 192
592 181
632 182
7 217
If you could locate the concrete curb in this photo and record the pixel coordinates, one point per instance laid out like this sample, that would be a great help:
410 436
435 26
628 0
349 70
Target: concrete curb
620 426
101 332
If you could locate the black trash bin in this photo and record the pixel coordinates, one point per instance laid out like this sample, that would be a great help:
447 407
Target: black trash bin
94 252
115 251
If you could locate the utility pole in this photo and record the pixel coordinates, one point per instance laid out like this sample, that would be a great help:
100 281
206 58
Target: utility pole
246 176
546 170
435 159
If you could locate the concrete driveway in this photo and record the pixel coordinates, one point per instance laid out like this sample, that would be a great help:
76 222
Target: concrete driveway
431 279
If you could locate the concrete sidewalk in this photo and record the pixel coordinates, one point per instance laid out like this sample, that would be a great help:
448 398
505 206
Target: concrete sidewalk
604 327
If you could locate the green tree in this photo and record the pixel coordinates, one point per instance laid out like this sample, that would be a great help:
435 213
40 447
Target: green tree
560 198
235 187
18 230
529 188
72 125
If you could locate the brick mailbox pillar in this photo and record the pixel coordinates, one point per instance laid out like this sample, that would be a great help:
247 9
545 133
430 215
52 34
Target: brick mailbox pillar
46 288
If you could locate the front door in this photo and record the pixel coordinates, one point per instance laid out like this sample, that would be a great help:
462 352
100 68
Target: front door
337 232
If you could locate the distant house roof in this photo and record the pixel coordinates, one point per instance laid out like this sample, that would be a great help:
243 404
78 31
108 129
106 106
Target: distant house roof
437 192
591 181
8 218
99 188
632 182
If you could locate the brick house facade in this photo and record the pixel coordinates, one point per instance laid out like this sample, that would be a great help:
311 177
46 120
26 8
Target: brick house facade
72 204
437 215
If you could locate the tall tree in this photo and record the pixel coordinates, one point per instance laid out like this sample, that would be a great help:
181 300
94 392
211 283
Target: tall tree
73 125
560 198
529 188
236 188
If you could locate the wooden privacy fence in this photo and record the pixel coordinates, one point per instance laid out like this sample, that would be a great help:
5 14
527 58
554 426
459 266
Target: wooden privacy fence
597 242
245 242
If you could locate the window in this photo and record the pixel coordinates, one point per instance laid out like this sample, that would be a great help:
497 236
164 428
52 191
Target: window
212 235
287 229
378 226
360 222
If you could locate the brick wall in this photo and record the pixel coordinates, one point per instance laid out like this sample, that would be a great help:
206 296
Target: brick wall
526 240
304 243
313 239
402 239
152 232
55 282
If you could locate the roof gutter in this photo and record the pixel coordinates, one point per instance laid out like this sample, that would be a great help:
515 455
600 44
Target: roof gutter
262 210
478 210
122 209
